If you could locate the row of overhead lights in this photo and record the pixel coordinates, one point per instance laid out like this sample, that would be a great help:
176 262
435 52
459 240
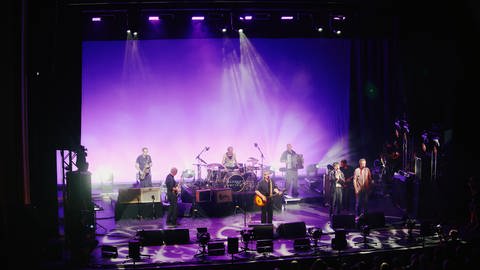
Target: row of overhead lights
338 19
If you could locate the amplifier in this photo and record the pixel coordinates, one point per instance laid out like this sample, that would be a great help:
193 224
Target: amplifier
139 195
222 195
203 195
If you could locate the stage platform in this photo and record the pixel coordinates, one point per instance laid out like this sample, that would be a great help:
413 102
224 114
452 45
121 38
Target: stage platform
302 230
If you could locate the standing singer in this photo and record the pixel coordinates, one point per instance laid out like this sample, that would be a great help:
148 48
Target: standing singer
362 180
293 162
337 179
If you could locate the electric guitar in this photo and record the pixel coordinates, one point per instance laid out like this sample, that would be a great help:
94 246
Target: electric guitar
144 172
260 202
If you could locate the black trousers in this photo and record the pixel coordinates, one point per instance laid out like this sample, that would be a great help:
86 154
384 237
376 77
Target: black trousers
172 209
267 211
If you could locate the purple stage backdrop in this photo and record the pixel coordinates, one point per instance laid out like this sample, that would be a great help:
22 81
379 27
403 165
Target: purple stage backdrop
179 96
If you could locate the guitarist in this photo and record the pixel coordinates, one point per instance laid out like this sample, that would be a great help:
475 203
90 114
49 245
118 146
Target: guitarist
143 165
172 196
265 189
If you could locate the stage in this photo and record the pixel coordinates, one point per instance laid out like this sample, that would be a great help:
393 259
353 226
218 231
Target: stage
302 231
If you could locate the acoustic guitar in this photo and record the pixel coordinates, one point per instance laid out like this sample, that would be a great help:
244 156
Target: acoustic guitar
260 202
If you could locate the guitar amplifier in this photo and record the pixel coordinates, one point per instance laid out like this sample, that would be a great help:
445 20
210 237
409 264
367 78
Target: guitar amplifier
139 195
150 194
222 195
203 195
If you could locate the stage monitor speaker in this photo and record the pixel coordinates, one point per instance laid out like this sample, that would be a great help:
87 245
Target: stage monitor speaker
203 195
176 236
301 244
343 221
339 242
292 230
373 220
262 231
222 195
232 245
79 208
151 237
216 248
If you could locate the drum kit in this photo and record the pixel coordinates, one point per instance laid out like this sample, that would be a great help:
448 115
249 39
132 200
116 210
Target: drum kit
240 178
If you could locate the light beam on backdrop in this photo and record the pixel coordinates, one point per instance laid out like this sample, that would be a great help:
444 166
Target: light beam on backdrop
176 96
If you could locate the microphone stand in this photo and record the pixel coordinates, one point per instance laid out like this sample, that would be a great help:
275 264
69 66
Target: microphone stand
154 213
261 155
199 172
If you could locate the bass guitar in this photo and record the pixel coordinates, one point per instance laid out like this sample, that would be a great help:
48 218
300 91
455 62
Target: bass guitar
260 202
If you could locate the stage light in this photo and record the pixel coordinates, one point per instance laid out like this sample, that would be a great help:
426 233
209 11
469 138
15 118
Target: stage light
129 31
286 18
96 19
153 18
240 30
338 32
365 230
202 237
339 17
264 246
198 18
315 233
224 30
320 29
301 244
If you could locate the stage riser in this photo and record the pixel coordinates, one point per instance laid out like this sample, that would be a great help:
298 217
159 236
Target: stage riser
135 210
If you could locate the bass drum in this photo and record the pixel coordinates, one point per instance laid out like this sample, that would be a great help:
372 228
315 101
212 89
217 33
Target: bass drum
236 182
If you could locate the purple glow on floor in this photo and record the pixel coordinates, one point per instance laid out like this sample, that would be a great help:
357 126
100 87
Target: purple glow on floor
178 96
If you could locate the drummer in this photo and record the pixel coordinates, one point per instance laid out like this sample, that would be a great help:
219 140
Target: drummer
229 160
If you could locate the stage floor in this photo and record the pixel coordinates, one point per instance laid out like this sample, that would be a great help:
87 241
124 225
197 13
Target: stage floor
309 208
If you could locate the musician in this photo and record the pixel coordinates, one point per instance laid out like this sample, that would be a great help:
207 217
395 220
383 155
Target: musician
173 189
362 181
337 179
265 189
291 160
143 165
347 193
229 159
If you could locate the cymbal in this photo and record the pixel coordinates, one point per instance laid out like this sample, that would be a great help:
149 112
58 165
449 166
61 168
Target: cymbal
252 159
215 166
198 164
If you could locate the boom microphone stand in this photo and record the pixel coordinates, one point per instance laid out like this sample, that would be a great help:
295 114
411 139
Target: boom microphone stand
261 155
199 171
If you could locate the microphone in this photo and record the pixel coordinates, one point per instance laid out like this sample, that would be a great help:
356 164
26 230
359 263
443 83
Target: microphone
255 144
207 148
